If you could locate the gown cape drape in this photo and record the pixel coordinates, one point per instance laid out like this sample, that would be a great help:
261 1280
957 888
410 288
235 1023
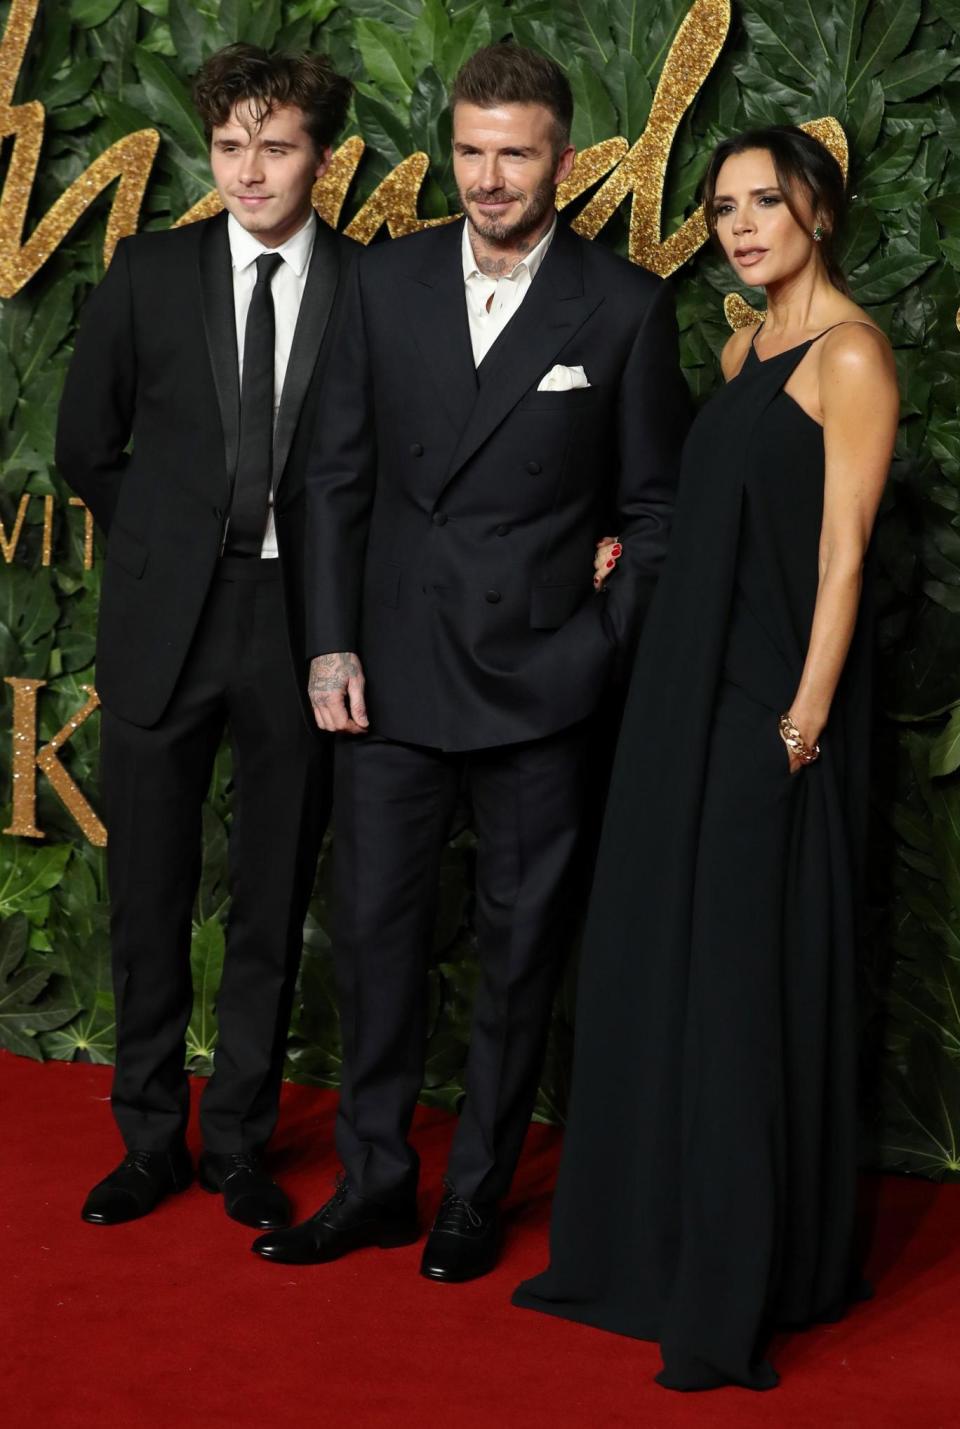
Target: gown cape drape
685 1212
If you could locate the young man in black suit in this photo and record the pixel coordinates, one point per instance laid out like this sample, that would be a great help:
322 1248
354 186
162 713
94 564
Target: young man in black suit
504 391
208 346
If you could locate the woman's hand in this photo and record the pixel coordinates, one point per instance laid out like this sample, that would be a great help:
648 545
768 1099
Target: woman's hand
609 551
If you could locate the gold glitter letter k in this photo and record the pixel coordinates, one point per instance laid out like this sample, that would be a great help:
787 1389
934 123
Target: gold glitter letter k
27 759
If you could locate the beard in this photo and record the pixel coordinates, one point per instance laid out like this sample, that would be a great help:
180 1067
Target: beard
537 206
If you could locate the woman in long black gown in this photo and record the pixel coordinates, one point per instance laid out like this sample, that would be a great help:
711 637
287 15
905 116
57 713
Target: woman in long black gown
706 1194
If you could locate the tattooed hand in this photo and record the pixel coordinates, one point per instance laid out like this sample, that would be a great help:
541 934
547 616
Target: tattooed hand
336 693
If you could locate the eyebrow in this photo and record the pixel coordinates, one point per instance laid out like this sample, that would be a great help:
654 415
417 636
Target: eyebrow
728 198
504 148
273 143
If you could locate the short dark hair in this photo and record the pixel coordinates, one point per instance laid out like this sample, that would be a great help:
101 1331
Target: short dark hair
511 74
269 81
800 162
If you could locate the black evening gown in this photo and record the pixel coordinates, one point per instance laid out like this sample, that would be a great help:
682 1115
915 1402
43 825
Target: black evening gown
706 1194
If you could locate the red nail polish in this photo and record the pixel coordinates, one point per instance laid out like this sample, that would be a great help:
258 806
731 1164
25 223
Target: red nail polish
609 564
616 550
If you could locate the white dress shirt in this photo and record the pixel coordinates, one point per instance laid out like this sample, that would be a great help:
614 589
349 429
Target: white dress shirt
287 287
492 302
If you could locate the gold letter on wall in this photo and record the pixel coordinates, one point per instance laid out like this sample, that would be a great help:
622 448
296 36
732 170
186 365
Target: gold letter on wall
27 759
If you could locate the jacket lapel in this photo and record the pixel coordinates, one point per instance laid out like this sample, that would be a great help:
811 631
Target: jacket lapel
220 324
440 326
318 295
552 311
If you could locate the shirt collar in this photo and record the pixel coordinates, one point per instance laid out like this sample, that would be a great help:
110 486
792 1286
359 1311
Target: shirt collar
246 249
531 262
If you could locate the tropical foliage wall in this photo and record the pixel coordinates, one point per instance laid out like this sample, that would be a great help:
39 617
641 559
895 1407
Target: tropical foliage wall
889 71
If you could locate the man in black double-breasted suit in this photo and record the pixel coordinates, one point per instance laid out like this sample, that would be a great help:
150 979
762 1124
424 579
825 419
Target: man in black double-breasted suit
209 346
504 392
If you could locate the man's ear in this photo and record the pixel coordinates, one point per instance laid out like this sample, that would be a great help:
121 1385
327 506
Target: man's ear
324 162
564 165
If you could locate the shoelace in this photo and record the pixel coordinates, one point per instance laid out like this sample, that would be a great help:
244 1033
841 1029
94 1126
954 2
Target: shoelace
139 1161
241 1161
453 1210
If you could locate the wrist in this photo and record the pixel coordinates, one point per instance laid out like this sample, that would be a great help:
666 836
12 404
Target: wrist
810 723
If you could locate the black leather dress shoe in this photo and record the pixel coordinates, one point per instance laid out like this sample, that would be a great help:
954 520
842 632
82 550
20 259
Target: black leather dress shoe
138 1184
249 1195
464 1241
347 1222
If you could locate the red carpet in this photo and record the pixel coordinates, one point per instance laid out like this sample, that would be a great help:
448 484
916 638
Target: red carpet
171 1321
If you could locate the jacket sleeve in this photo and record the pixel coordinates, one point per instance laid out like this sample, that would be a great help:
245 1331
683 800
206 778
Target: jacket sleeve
653 416
340 483
97 406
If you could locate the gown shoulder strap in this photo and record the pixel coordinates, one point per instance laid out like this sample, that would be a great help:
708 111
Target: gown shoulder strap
845 322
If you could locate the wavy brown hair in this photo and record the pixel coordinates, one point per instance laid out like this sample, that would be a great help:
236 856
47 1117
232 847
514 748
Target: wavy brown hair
270 81
802 165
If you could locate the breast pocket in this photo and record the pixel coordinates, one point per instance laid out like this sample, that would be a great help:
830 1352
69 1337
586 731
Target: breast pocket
577 399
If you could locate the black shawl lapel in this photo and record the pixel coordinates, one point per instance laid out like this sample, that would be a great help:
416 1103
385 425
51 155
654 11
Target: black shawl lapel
220 323
318 295
552 311
438 321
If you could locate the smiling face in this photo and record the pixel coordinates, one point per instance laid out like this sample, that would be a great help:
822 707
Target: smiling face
265 175
507 169
761 238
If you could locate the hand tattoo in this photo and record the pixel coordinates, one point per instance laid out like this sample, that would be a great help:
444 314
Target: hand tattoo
330 675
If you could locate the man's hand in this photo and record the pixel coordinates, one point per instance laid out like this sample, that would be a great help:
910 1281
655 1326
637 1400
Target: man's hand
336 693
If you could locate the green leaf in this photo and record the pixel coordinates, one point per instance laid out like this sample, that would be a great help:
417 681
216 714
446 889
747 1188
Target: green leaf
89 13
386 57
206 965
917 73
21 1016
629 88
945 752
170 99
886 34
594 117
469 32
28 877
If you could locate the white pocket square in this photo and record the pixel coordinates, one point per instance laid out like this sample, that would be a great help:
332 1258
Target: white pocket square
563 379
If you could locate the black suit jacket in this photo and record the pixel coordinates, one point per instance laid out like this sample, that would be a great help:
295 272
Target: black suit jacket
156 360
453 512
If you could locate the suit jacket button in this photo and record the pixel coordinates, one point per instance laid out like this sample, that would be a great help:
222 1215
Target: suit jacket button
503 529
416 449
534 468
493 597
439 518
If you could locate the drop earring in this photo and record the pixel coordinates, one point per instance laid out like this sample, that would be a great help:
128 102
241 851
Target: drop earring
817 233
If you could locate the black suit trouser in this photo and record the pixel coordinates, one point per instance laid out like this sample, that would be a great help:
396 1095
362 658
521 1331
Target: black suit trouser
237 676
394 804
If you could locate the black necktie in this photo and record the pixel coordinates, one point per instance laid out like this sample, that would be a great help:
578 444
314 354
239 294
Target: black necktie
251 487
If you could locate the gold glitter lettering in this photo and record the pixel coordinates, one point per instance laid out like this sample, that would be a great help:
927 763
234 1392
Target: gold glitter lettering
9 544
47 556
87 533
27 759
130 160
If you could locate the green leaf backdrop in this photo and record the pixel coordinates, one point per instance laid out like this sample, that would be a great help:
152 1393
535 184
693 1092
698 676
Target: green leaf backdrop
889 70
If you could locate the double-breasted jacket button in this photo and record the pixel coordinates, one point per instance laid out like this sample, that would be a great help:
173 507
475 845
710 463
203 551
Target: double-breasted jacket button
416 449
493 596
439 518
534 468
503 529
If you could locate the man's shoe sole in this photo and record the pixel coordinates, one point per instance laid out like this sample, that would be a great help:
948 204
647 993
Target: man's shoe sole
389 1240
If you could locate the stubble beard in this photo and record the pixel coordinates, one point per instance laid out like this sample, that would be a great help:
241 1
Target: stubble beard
494 230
